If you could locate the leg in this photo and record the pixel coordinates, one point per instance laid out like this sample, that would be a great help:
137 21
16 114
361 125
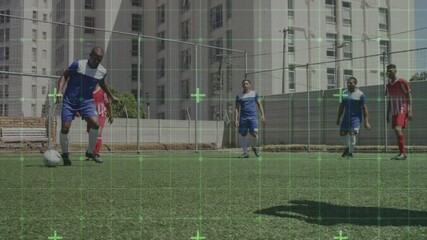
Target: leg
93 132
63 140
400 139
99 140
352 144
345 135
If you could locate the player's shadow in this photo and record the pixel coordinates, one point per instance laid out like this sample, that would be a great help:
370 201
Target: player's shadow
331 214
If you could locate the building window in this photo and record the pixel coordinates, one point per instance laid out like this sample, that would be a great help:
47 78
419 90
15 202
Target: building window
44 71
89 22
185 5
4 75
347 74
185 30
160 43
346 13
137 22
34 35
331 77
4 53
347 47
384 48
185 59
33 91
216 17
291 8
34 70
160 68
383 19
4 110
4 19
229 9
185 89
4 35
137 3
330 11
44 36
89 4
291 40
45 17
214 84
214 52
161 14
134 73
35 17
134 50
34 54
291 76
161 95
4 91
331 39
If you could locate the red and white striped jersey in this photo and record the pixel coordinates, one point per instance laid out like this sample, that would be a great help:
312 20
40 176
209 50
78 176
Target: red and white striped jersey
101 99
397 92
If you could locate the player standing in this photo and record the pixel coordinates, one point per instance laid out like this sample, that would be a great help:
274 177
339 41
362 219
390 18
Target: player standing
400 107
353 105
246 118
104 110
81 77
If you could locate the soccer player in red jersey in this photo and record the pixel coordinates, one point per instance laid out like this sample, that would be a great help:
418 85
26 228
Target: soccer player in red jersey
400 107
104 110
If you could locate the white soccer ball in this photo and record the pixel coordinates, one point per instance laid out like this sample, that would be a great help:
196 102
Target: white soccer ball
51 158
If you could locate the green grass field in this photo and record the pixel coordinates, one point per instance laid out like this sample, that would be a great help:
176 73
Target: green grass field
172 195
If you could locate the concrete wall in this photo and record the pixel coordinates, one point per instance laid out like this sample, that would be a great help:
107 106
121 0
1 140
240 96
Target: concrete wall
124 131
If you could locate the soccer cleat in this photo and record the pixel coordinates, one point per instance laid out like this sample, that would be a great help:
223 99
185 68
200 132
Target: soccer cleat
399 157
345 153
94 157
66 159
244 155
256 151
349 155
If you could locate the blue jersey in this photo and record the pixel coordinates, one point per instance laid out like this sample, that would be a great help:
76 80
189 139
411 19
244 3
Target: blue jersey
83 80
248 106
353 102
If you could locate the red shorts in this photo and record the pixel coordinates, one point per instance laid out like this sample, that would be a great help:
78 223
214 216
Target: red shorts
101 123
400 119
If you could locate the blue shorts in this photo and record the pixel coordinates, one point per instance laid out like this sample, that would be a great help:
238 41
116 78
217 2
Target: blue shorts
70 108
350 125
250 124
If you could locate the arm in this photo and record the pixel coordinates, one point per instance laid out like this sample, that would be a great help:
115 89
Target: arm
409 97
340 112
388 109
109 112
62 80
366 116
104 87
261 109
236 114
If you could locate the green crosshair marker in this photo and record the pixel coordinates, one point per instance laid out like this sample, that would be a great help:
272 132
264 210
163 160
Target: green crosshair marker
54 95
340 237
198 237
54 237
198 96
340 95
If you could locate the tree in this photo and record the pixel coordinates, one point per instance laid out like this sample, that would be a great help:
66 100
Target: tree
128 102
419 76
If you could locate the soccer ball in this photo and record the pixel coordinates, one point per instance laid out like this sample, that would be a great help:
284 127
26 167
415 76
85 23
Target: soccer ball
51 158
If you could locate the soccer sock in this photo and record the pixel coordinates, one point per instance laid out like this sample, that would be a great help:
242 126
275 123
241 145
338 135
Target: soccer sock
402 144
98 145
352 143
346 139
255 141
63 140
244 143
93 136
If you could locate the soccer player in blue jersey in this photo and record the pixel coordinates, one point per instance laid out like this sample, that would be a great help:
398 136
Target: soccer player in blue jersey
81 77
246 119
353 105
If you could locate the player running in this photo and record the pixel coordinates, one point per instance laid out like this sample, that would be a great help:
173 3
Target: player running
104 110
81 77
353 105
400 107
246 119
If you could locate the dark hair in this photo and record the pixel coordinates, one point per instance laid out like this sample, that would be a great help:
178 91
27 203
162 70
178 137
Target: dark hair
246 80
391 66
352 78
